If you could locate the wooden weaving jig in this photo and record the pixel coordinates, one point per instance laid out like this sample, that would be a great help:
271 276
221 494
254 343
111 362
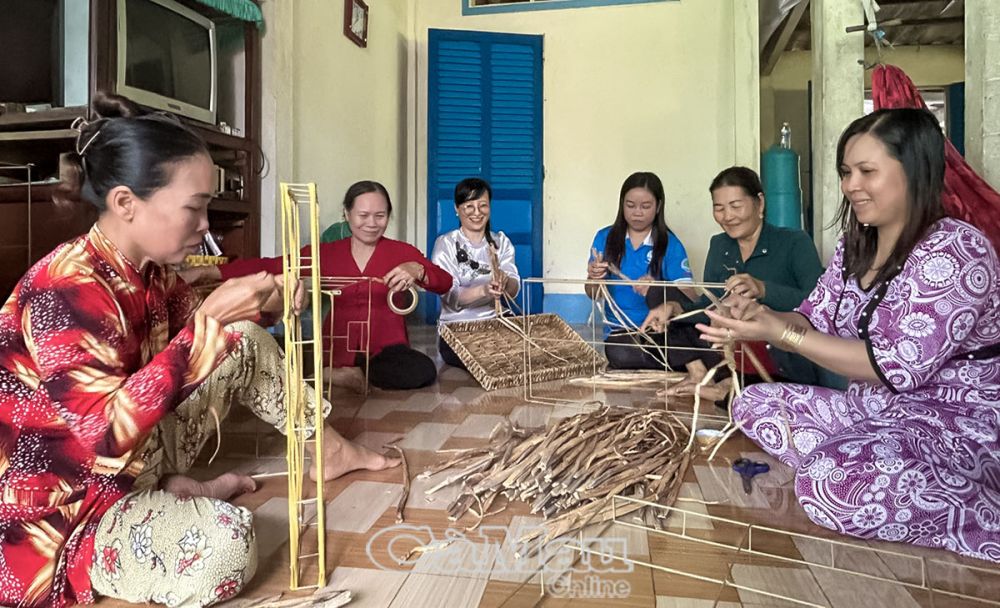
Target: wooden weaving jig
304 420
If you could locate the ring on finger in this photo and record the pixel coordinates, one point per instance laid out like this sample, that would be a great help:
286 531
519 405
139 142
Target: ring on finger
729 333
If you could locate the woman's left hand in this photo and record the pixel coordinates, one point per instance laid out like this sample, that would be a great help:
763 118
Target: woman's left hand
746 320
404 276
746 286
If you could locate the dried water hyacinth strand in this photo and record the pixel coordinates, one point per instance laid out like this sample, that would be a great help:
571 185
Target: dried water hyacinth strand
406 482
630 378
625 322
495 263
628 325
571 473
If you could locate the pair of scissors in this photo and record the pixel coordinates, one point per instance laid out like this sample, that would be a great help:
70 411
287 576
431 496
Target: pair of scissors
748 469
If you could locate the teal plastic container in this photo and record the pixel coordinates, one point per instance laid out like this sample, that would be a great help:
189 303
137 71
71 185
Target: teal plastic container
782 191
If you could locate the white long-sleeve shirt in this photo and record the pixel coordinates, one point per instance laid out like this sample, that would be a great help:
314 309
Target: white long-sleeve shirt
469 265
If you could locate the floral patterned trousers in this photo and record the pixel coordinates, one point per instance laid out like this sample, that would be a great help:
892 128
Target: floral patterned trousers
153 546
915 472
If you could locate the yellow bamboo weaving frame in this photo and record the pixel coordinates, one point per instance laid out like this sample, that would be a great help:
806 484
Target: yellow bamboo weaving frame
302 426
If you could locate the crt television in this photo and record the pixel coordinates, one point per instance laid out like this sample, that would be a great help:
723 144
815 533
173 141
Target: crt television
167 58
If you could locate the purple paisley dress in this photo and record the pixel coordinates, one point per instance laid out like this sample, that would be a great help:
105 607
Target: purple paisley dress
916 457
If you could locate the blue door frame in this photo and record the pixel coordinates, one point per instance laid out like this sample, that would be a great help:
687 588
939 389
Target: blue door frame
484 119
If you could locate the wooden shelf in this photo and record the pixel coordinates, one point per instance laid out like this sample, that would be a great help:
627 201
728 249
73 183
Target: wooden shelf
36 135
19 192
217 138
55 117
229 205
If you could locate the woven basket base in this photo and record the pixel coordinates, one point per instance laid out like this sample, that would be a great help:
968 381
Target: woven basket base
494 353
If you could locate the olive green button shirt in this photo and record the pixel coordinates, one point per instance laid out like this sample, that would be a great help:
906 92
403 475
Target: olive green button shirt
340 230
785 260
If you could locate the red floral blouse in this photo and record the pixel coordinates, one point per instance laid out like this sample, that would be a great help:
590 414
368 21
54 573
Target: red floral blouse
93 353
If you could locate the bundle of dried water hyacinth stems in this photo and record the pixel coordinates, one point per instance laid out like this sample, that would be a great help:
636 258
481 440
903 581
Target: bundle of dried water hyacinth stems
571 473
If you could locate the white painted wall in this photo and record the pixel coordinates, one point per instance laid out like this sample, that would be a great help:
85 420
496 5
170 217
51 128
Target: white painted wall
667 87
659 87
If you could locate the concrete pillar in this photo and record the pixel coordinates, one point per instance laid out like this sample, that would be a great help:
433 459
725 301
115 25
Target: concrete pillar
746 74
276 118
982 88
837 99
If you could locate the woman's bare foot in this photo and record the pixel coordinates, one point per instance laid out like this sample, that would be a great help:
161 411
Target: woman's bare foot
714 391
223 487
341 456
347 377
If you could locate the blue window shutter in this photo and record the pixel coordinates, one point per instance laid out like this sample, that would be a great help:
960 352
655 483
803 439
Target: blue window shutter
485 120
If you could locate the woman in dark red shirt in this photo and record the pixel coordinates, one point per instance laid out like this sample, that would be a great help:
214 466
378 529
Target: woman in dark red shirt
393 266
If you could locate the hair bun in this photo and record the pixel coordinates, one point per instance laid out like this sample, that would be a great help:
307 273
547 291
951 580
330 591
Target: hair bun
107 105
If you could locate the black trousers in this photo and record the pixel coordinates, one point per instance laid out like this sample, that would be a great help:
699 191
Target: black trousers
448 354
627 350
401 368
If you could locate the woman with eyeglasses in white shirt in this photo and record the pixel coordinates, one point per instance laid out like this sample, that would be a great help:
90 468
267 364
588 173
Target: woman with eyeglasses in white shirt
465 254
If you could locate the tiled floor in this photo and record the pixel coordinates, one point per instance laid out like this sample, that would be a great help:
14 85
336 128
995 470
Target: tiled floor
479 568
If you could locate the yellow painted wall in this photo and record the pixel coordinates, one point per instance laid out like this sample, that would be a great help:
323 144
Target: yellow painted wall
627 88
349 102
333 112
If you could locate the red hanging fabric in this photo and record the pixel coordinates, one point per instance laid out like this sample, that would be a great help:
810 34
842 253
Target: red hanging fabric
966 196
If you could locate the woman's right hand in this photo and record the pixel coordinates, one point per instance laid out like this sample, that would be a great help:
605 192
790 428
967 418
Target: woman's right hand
240 299
743 319
658 317
597 268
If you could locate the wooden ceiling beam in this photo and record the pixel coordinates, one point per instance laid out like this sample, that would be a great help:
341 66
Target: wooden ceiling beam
773 53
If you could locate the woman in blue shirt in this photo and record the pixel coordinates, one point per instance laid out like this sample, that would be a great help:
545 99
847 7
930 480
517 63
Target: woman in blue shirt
641 247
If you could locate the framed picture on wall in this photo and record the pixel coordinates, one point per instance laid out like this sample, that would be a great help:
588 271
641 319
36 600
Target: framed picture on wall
356 22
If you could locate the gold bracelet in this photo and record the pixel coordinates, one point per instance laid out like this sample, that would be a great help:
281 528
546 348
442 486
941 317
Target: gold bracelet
793 336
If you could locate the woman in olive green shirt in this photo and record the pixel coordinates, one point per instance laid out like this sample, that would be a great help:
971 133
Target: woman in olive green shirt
777 266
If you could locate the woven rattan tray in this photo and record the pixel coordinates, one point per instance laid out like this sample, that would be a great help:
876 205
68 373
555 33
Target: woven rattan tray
493 351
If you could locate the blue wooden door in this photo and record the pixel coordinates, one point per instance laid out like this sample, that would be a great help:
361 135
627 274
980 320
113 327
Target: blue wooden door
484 119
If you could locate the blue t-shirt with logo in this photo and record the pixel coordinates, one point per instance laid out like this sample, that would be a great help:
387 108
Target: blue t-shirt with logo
635 265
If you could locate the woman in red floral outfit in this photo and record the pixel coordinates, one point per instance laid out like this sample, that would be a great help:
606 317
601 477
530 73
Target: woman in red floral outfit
99 342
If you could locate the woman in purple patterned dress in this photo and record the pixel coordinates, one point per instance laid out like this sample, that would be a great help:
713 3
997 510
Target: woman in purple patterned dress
909 310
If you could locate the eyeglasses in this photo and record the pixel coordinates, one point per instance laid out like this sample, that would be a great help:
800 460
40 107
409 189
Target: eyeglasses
472 207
